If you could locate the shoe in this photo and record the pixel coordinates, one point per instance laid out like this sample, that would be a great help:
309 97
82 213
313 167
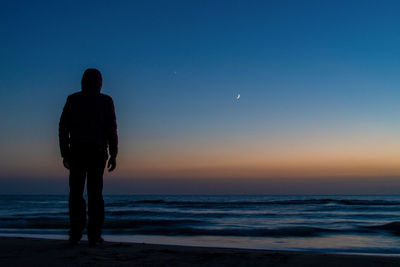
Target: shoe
94 241
73 241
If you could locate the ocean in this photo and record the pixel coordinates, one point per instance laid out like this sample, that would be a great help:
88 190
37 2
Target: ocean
367 224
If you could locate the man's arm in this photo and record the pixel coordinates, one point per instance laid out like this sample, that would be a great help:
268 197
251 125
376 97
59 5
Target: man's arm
112 136
63 133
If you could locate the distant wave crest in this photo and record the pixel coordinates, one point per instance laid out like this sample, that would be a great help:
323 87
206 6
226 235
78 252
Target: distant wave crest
316 201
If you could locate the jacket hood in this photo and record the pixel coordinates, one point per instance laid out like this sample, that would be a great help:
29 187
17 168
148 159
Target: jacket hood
91 81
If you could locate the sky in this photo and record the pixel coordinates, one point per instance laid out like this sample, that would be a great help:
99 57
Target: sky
319 84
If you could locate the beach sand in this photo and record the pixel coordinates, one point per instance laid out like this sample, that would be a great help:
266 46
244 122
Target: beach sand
17 251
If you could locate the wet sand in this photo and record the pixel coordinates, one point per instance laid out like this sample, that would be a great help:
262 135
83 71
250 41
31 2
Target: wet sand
18 251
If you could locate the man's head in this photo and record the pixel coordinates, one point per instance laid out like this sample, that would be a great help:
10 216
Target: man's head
91 81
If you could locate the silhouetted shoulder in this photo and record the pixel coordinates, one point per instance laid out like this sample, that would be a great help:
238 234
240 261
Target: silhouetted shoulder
106 97
75 95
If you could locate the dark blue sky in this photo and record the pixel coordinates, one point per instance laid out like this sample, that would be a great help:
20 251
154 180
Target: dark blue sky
319 84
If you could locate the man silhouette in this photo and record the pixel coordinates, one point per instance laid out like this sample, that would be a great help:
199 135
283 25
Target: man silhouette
87 128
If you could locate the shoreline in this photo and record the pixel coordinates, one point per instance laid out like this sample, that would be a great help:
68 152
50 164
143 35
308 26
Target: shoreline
144 239
23 251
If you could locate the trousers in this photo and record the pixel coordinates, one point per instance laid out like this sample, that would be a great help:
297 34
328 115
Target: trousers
87 163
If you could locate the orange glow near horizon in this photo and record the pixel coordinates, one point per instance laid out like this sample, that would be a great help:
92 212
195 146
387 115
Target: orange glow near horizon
364 153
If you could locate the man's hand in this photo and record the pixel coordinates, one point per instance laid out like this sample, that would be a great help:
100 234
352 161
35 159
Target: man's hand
112 163
66 163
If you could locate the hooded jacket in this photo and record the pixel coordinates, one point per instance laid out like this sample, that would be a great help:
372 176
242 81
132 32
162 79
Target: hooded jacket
88 118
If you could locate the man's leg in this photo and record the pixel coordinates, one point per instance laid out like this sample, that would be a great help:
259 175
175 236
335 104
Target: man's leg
95 196
77 204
